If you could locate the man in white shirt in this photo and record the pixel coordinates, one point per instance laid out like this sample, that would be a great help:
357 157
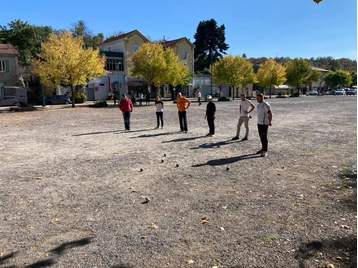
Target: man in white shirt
264 120
246 107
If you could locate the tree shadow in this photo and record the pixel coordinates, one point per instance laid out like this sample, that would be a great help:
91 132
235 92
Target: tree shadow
213 145
225 161
96 133
331 248
185 139
134 131
66 246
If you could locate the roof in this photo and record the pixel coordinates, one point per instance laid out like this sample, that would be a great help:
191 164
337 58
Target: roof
8 49
174 43
319 69
123 36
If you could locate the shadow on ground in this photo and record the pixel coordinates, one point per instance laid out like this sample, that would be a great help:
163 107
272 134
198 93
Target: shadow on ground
154 135
213 145
230 160
60 250
345 248
185 139
96 133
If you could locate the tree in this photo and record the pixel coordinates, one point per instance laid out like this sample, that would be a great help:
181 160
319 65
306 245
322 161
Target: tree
209 44
317 1
271 74
233 71
25 38
339 78
354 78
80 28
64 61
297 72
314 76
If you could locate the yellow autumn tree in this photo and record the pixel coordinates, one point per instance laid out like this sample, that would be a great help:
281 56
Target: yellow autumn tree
271 74
64 61
158 66
233 71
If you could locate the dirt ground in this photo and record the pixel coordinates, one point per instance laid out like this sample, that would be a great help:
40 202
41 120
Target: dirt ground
72 191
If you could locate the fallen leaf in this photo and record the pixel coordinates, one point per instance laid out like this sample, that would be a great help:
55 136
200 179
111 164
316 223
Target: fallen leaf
190 261
339 258
54 220
30 226
154 227
203 220
143 237
345 227
39 178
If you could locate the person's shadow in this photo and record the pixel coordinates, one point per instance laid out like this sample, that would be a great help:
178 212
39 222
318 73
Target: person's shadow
184 139
230 160
213 145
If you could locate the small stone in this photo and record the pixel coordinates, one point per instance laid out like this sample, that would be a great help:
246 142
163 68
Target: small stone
177 165
227 168
147 200
190 261
345 227
164 155
39 178
162 160
339 258
141 170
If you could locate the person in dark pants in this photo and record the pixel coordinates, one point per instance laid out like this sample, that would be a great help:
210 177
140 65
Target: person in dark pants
159 110
147 98
264 120
199 97
126 106
183 104
210 115
115 99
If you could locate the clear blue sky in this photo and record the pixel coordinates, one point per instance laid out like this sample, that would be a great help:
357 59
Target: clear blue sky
258 28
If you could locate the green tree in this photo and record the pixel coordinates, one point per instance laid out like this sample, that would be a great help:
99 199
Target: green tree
233 71
25 38
317 1
80 28
209 44
271 74
297 72
354 78
64 61
339 78
314 76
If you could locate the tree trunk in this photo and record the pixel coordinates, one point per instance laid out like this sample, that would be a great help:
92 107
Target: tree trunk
270 91
72 97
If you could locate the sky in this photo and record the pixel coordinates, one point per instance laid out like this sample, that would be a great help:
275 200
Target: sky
258 28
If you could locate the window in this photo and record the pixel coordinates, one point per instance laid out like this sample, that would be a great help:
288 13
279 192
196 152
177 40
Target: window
2 66
113 64
135 48
184 55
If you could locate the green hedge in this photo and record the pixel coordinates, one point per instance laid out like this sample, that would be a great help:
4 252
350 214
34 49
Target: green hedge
80 98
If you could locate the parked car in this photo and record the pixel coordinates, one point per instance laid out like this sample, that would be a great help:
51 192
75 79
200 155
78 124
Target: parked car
340 92
8 101
313 93
59 99
352 91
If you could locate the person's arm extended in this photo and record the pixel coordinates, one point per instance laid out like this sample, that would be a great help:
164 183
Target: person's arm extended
252 108
270 117
188 104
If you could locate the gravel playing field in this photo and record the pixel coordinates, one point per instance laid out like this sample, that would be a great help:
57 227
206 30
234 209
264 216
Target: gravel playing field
73 188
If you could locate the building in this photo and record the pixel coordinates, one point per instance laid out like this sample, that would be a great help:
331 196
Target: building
117 51
8 66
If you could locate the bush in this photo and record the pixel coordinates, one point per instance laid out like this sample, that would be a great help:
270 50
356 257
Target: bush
223 98
100 104
296 93
80 98
23 104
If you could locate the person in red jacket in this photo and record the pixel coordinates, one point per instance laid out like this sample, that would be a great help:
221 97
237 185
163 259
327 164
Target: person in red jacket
126 106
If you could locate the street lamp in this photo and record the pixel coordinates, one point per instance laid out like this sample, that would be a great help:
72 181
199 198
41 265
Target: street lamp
119 89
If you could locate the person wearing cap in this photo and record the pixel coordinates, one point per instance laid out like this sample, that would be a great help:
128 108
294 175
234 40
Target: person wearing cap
126 106
210 115
183 104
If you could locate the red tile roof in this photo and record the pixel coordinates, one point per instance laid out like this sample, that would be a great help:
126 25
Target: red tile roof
173 43
7 49
122 36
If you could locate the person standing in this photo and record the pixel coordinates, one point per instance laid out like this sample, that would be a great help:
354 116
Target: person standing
115 98
126 106
147 98
140 98
264 120
210 115
160 107
183 104
246 107
199 97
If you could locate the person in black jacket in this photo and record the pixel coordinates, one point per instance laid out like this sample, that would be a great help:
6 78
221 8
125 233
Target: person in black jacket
210 115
